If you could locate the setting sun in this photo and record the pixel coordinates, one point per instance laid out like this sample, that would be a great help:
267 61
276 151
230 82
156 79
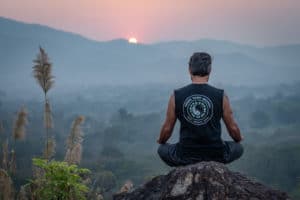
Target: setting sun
132 40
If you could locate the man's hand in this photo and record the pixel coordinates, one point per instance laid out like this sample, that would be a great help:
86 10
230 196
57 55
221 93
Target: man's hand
168 126
159 141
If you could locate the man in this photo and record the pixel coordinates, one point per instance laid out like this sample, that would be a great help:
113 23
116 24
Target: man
199 107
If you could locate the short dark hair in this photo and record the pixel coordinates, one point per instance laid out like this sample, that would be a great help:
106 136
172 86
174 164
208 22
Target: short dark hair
200 64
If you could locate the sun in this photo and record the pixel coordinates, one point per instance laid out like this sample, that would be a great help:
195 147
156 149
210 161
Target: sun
132 40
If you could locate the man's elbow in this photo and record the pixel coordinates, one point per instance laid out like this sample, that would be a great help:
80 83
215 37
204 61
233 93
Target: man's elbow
167 129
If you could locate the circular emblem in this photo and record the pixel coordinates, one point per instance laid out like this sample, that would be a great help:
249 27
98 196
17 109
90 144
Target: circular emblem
197 109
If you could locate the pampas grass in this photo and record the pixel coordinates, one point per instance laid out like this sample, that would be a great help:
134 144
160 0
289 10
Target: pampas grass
26 192
49 151
42 71
6 186
48 123
17 134
5 155
74 147
19 125
23 193
12 162
73 155
1 127
9 159
75 135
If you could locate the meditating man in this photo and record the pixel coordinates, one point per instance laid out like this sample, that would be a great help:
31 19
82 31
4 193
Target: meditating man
199 107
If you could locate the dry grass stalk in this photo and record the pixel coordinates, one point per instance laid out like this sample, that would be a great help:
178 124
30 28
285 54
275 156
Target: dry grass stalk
42 71
73 155
6 186
12 163
19 125
74 148
75 135
23 193
49 150
27 192
48 122
1 127
5 155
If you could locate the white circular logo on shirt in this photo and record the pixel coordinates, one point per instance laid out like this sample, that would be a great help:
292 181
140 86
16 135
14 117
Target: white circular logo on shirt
197 109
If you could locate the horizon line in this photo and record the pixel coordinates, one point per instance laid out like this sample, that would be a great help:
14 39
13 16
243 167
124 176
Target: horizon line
149 43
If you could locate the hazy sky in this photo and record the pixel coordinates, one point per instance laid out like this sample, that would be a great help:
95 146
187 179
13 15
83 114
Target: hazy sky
260 22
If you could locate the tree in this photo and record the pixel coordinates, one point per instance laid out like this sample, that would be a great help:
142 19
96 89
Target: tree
60 181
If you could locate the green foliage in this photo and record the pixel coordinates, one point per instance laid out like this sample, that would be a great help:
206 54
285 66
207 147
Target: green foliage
123 141
276 165
60 181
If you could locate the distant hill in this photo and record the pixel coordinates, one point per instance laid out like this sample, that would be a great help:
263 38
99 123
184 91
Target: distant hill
81 62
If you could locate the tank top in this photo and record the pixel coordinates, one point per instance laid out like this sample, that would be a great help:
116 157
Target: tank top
199 108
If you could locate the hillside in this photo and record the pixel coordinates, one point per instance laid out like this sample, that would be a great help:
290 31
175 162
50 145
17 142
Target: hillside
81 62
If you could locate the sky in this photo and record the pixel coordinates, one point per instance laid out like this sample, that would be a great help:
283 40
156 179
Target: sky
257 22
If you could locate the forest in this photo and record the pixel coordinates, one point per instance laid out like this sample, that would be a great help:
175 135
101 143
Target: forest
107 136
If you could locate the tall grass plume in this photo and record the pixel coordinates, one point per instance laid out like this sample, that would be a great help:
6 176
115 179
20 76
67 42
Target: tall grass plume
49 150
5 155
20 124
12 162
42 71
74 147
6 186
48 122
1 127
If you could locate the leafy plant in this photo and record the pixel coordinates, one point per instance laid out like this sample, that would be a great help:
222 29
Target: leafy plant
60 181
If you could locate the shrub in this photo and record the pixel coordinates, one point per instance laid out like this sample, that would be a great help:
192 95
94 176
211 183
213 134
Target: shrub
59 180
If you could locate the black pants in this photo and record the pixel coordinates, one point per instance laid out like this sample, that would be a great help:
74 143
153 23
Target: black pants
167 153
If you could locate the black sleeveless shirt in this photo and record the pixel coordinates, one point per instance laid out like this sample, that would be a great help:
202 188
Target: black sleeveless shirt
199 108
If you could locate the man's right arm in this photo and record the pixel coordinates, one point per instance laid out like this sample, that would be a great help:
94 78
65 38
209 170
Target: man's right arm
229 121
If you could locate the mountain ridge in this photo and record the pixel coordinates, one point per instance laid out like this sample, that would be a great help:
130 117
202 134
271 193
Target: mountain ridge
79 61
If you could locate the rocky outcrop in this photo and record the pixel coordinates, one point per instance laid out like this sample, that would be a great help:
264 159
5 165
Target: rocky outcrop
202 181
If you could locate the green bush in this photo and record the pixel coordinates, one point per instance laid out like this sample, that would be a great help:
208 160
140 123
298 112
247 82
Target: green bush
59 181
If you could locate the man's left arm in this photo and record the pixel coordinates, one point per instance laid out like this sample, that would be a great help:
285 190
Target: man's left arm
168 126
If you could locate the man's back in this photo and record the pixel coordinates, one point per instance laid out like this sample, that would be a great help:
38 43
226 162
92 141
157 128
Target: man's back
199 109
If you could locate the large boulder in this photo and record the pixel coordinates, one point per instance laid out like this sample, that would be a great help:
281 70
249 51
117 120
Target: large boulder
202 181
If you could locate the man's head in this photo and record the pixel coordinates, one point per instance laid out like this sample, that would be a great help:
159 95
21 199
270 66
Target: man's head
200 64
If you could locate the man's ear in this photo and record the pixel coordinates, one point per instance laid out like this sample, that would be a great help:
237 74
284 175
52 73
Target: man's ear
190 71
209 70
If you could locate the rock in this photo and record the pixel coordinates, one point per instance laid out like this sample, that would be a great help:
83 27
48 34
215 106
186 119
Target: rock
126 187
202 181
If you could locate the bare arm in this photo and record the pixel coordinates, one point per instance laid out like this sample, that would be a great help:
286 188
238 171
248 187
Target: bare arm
168 126
229 121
